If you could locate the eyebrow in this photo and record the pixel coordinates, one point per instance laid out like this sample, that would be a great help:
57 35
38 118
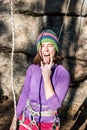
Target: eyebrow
47 44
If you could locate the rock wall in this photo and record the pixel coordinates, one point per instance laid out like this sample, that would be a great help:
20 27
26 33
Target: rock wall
30 18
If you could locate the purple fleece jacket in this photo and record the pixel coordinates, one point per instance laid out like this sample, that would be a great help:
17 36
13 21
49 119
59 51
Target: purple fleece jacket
33 90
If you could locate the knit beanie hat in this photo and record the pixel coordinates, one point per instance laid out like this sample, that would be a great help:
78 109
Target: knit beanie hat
47 36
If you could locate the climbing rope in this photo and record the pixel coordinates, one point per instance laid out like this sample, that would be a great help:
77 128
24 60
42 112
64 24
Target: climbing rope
65 17
80 18
12 56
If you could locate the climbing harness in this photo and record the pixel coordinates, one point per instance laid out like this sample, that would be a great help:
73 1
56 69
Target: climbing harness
32 115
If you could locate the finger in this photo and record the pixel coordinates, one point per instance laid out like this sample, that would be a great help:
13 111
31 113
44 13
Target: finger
51 61
41 64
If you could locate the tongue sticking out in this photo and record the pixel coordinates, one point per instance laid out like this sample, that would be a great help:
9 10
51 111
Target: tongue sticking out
47 59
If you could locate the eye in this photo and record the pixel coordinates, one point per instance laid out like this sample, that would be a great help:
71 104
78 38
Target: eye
50 45
42 45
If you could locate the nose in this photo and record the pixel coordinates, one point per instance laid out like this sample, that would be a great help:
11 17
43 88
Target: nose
46 48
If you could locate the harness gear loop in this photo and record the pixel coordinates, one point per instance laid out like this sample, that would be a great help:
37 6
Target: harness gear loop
56 124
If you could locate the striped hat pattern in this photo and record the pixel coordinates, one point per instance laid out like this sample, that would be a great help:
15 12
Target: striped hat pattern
47 36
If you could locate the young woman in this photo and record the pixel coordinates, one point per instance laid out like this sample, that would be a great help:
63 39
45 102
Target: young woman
45 87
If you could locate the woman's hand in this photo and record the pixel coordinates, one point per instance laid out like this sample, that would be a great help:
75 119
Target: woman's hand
46 70
46 73
13 124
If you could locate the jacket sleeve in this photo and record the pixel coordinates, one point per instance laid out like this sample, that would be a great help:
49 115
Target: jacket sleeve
61 88
24 94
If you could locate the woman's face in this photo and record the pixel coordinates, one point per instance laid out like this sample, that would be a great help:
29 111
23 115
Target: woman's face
47 51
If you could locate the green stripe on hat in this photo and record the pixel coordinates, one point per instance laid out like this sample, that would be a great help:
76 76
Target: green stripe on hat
48 40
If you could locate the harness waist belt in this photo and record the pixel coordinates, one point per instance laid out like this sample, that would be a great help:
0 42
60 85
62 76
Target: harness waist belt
42 113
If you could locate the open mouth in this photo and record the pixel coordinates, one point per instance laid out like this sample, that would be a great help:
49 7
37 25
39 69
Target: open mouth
46 54
46 58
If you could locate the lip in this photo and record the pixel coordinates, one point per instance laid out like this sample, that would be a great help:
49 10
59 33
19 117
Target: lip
46 54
